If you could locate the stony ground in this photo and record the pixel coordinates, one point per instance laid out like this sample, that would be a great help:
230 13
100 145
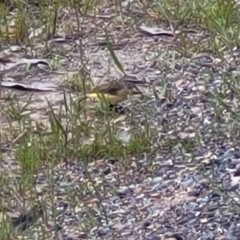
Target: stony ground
182 183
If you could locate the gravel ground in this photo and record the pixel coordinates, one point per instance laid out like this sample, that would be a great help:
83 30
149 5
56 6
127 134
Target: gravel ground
186 186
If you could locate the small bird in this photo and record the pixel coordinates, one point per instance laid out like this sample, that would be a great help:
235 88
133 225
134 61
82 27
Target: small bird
116 91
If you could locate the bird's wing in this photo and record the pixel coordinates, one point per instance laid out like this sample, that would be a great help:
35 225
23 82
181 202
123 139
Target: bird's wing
109 87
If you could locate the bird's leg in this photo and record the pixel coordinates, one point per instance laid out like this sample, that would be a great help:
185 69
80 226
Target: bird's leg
116 108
